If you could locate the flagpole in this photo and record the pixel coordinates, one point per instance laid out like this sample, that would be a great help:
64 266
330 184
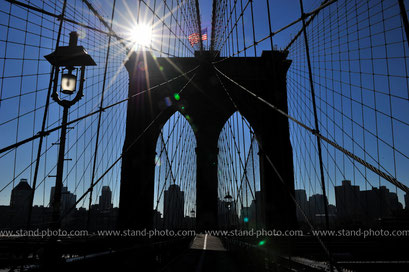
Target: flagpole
199 25
207 43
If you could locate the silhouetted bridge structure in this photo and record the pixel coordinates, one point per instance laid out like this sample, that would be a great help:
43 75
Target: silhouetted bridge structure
204 253
184 125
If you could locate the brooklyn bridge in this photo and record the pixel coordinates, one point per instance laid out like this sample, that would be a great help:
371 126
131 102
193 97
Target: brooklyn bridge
194 135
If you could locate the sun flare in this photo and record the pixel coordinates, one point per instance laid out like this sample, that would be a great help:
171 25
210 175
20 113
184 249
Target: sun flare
141 35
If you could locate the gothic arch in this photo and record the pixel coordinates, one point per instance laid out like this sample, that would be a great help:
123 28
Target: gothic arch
202 96
238 175
176 166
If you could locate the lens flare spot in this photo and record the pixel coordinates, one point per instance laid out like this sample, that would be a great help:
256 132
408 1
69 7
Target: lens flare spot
168 101
157 161
176 96
81 34
141 66
246 219
262 242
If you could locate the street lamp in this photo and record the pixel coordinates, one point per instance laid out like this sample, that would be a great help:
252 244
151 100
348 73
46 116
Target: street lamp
228 200
66 58
192 216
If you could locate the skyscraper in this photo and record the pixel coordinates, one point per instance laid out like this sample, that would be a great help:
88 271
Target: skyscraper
256 209
347 198
105 198
20 195
366 206
20 203
301 198
173 207
317 203
68 199
380 202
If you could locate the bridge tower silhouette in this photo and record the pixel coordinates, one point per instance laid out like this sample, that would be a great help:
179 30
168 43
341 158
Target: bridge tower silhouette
207 107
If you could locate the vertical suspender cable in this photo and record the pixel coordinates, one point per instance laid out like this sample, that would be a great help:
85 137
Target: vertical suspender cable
42 134
254 30
315 114
199 24
269 24
316 124
99 119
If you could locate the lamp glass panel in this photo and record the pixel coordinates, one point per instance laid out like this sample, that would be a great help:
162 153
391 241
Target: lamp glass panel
68 83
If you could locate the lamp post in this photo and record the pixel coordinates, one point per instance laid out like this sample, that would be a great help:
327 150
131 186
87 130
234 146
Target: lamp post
228 200
66 58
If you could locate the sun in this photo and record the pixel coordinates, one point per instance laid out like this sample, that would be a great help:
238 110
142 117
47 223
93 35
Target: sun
141 35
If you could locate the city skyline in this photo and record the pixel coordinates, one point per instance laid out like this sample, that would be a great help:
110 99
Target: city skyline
350 206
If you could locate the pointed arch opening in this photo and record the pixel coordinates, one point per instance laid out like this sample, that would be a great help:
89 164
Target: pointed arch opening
239 194
175 175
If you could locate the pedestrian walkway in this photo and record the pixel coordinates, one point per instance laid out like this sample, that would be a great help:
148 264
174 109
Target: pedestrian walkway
206 253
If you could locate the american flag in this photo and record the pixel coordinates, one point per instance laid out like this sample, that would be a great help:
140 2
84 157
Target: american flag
194 38
204 34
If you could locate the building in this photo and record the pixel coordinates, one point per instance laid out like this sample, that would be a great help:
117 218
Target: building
173 207
316 208
379 203
20 195
15 216
157 219
68 199
301 198
317 204
105 199
347 198
253 216
41 216
407 201
355 206
257 210
20 203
